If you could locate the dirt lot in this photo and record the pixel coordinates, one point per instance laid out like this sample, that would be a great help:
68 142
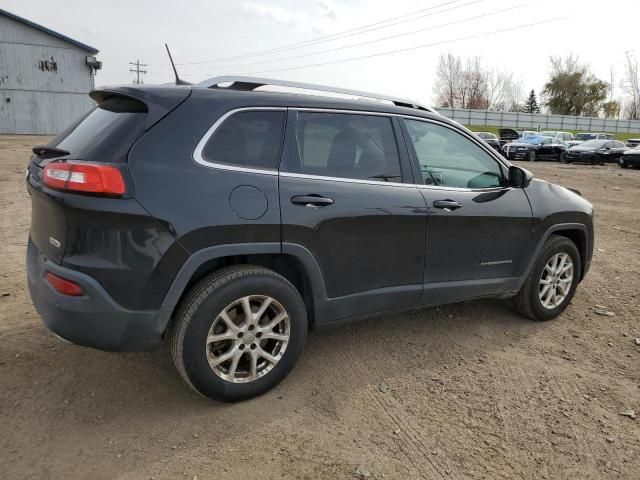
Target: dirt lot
465 391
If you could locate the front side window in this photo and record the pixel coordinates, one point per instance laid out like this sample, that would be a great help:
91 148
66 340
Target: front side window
250 139
347 146
448 158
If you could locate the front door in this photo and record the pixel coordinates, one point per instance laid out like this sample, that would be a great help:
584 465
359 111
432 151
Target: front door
479 229
343 199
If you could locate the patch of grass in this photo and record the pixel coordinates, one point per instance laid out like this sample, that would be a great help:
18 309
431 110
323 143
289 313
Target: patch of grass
623 137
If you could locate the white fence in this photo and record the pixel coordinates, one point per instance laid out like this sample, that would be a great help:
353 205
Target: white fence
544 122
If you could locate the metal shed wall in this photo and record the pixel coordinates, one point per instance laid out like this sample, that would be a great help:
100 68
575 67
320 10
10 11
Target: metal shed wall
44 80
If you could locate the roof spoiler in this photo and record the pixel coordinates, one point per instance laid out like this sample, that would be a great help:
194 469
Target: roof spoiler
158 101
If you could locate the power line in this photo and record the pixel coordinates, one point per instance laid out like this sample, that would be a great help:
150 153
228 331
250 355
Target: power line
344 34
376 40
416 47
137 70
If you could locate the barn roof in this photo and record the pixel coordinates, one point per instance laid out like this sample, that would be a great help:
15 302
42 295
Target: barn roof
50 32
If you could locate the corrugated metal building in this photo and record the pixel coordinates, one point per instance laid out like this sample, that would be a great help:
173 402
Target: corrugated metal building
44 77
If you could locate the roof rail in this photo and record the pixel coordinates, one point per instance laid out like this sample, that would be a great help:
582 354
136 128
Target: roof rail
251 83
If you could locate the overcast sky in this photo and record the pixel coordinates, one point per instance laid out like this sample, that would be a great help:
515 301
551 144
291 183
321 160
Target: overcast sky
206 30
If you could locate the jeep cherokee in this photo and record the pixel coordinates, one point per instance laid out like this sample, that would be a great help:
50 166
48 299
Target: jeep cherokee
229 220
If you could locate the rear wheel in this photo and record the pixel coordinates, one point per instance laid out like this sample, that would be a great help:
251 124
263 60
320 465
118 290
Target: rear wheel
552 282
238 333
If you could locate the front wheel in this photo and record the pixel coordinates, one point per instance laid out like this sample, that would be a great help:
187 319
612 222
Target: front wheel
238 333
531 156
552 282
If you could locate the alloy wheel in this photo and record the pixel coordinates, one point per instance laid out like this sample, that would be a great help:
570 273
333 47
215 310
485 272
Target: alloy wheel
556 280
248 338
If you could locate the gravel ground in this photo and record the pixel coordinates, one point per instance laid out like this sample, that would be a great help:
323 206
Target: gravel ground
464 391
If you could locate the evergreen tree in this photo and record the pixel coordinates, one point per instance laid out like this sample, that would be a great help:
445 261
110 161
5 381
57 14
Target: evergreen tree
531 105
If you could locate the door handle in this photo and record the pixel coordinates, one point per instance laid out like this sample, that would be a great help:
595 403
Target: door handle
448 205
312 200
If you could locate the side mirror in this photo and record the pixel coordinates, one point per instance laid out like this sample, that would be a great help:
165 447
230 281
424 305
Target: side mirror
519 177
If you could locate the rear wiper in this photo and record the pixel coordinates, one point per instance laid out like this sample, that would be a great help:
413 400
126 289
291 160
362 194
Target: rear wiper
48 152
384 176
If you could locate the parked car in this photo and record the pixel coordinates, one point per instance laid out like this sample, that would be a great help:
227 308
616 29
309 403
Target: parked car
633 142
507 135
529 133
595 152
630 157
229 221
583 137
534 148
490 138
564 137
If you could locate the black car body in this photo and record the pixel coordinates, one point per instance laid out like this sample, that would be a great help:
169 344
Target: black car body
630 157
585 136
166 205
595 152
491 139
534 148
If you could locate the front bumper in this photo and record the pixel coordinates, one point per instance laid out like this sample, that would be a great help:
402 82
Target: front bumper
513 154
94 319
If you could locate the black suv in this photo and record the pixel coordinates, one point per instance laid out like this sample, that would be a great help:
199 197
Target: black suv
230 220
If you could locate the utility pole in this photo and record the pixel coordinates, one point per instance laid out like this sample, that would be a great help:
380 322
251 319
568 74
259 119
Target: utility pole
137 70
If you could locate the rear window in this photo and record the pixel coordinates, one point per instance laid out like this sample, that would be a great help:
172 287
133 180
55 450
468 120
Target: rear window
103 133
247 139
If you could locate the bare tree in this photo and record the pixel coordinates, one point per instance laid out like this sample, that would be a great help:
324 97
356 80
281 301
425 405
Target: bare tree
466 83
631 85
567 65
448 79
498 85
474 85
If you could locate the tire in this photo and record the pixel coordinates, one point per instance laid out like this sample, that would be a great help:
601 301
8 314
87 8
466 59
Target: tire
528 302
531 156
200 315
623 165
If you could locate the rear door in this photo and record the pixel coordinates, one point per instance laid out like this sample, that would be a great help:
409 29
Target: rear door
347 196
478 231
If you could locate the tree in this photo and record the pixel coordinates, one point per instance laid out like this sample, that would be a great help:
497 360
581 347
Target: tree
531 106
468 84
611 109
631 86
572 90
448 77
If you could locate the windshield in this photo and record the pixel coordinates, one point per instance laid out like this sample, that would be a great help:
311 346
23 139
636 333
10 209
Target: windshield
486 136
549 134
593 144
585 136
534 140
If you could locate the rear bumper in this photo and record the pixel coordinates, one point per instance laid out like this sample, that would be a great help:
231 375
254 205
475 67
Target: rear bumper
94 319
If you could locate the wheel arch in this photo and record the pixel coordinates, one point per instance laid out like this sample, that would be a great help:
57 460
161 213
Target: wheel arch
293 262
576 232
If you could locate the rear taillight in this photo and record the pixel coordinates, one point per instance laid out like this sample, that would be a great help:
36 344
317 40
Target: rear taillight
64 286
84 177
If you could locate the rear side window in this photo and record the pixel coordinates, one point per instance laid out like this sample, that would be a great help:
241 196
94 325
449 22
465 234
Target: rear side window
249 139
347 146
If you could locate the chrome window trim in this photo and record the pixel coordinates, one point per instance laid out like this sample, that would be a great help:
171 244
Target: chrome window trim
199 159
346 180
197 153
